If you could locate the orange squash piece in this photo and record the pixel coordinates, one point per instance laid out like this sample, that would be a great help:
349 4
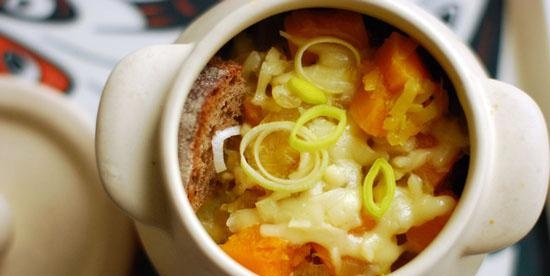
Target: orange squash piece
353 266
419 237
424 141
398 61
345 25
368 223
431 175
267 256
395 62
368 110
324 255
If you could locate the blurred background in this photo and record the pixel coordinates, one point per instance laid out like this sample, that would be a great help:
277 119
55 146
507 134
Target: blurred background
71 46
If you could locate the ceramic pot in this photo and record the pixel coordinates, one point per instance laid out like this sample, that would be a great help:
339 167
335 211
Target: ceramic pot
137 142
55 217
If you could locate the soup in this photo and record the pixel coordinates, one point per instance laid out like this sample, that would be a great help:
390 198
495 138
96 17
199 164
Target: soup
323 142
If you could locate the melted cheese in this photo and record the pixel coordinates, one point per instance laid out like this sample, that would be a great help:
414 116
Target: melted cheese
451 139
325 217
326 214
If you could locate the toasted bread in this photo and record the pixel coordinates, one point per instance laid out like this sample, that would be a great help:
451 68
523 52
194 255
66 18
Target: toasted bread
214 103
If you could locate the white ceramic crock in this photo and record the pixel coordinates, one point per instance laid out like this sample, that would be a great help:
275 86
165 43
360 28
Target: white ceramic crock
55 217
137 143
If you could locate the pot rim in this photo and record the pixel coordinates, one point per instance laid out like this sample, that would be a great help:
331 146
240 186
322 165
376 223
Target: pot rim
459 64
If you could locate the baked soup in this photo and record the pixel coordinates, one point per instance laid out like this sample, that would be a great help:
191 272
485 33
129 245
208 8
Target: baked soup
323 142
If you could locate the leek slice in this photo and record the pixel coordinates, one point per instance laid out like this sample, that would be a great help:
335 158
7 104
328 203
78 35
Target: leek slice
302 180
323 142
308 92
330 64
378 209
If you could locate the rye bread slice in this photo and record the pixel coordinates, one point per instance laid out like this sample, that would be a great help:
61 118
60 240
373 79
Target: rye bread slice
214 103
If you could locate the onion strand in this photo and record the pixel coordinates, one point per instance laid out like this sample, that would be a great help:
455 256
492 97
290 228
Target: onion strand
217 146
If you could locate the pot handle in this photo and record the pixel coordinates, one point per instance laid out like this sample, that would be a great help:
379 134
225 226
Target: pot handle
127 130
514 196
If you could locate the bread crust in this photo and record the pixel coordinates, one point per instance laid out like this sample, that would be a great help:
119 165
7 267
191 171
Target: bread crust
214 103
